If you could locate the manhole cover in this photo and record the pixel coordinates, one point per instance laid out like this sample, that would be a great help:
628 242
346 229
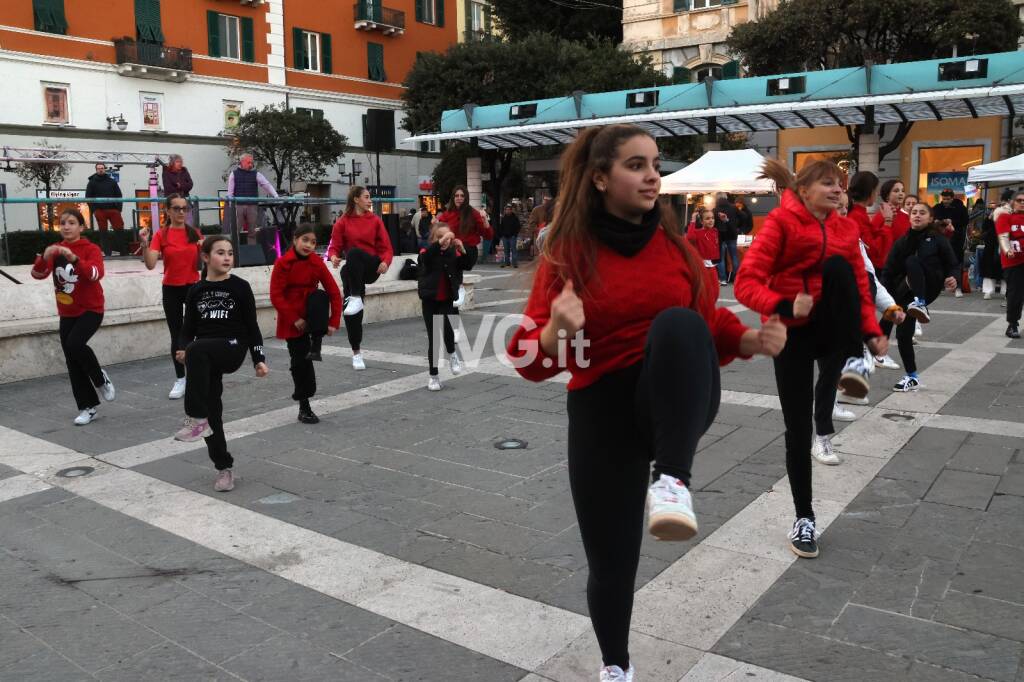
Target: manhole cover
278 498
896 417
510 444
75 472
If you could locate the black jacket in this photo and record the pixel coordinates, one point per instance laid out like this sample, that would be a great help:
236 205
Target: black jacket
990 265
957 214
728 229
745 220
433 264
509 226
101 187
932 249
177 182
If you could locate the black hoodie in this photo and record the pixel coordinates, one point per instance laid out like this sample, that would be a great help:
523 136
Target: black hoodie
101 187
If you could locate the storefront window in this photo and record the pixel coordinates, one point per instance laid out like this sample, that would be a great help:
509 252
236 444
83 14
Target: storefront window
840 157
942 167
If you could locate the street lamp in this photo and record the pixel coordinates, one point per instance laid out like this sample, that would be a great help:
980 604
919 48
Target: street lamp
119 121
357 168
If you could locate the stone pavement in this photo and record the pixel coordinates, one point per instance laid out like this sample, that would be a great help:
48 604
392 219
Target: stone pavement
395 541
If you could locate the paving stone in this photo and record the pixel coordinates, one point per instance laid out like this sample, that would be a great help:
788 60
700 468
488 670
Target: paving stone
982 458
424 657
1012 482
916 465
937 531
510 573
991 570
808 597
887 501
913 588
488 533
979 612
974 653
963 489
41 664
162 662
289 658
411 545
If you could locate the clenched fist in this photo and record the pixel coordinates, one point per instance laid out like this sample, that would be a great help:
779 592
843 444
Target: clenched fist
566 315
772 336
802 305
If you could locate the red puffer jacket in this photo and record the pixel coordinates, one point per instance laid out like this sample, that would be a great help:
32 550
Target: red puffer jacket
876 236
292 280
787 256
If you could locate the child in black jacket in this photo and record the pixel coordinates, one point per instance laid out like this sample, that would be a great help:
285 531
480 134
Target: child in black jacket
440 267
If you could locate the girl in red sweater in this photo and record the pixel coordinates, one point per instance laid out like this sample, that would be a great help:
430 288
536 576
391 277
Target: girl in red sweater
1010 236
76 266
305 312
704 237
806 266
469 226
626 306
179 245
358 236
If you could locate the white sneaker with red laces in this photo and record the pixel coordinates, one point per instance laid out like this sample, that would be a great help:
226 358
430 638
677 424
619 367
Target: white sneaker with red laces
614 673
670 510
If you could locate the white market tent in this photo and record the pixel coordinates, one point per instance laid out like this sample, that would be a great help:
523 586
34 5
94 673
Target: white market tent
1007 170
733 171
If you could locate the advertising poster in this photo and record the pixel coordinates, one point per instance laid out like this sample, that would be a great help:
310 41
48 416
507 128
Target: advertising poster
70 200
953 180
152 110
232 113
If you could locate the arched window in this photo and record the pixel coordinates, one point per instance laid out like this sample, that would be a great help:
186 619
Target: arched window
705 71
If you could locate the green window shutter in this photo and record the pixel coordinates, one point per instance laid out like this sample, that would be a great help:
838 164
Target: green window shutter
729 2
248 40
213 33
48 16
147 21
681 75
419 10
299 48
730 70
468 9
487 19
375 61
325 52
438 12
680 5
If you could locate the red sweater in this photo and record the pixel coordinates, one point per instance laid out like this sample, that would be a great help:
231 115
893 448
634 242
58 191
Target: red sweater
900 226
705 241
786 258
77 285
291 282
476 233
1012 225
619 309
878 240
364 232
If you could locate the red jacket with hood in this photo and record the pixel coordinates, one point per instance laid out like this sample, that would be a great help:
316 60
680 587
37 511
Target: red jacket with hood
476 233
292 280
787 256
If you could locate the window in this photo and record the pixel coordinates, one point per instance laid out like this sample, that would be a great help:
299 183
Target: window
147 21
375 61
430 12
315 114
705 71
703 4
48 16
942 167
476 17
840 157
55 104
312 51
230 37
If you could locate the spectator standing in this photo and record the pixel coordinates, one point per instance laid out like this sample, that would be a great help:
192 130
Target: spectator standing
745 218
953 213
245 182
508 230
727 223
103 186
176 177
540 216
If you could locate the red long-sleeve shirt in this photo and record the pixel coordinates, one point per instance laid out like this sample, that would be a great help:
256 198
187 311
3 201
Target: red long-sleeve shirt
1011 225
476 233
878 240
705 240
364 232
900 226
291 282
619 308
77 285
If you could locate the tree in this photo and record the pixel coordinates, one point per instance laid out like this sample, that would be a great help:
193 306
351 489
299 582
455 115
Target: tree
570 19
294 144
803 35
49 174
491 72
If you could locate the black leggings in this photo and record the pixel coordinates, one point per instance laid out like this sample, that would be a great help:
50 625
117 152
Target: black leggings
923 285
206 363
1014 278
83 367
432 308
654 410
832 335
174 311
318 310
360 269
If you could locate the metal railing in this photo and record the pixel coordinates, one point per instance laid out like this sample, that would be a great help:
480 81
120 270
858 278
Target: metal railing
384 16
130 51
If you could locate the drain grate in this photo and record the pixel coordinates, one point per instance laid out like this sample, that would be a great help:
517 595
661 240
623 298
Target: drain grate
510 444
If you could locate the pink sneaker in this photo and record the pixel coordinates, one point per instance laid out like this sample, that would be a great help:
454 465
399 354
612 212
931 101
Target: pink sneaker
225 481
193 429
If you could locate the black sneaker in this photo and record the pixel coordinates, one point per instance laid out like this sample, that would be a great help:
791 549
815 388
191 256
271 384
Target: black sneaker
307 416
803 539
1013 332
316 343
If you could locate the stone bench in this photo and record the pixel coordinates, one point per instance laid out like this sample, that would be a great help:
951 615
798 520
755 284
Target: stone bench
134 327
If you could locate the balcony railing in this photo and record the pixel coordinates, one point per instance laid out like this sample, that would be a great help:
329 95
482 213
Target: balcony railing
371 16
152 60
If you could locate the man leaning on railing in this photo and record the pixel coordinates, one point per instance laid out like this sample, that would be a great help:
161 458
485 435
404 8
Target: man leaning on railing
245 182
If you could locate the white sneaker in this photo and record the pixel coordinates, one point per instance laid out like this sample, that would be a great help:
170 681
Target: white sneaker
850 400
886 362
854 379
455 363
614 673
353 305
823 452
177 390
842 414
987 296
433 384
958 294
918 328
85 416
907 384
670 510
107 389
461 298
357 361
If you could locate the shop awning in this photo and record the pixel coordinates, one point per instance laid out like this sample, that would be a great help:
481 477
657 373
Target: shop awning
733 171
933 90
1007 170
